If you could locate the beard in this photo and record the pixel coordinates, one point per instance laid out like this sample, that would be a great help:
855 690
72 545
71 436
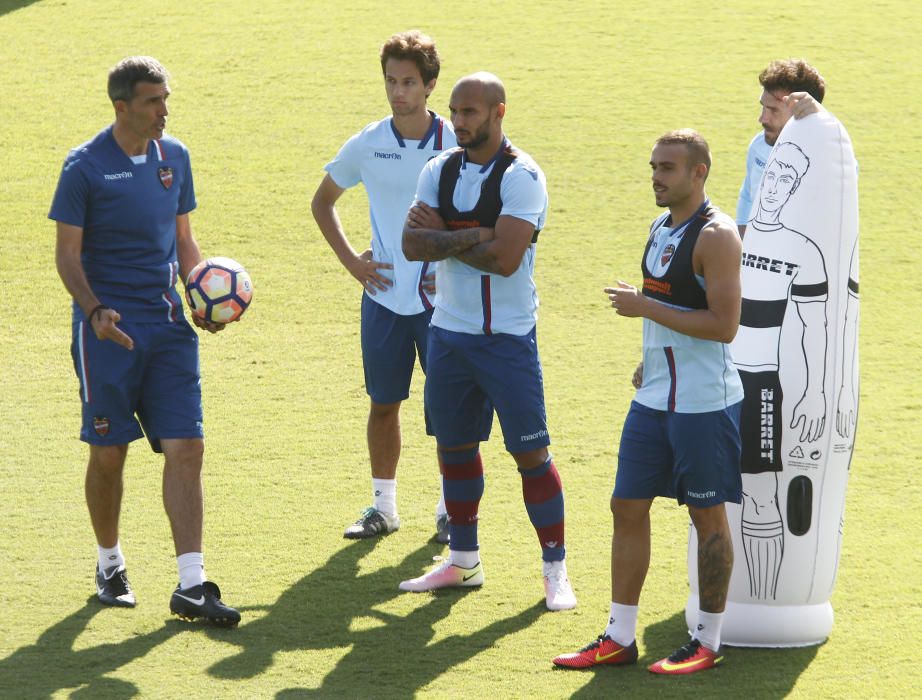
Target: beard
478 138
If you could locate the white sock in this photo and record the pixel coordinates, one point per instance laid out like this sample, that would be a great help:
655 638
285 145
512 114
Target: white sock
622 623
191 569
466 560
110 556
385 495
708 630
440 508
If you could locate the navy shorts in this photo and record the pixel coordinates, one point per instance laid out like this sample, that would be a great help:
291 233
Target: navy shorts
156 386
761 423
471 375
390 344
692 457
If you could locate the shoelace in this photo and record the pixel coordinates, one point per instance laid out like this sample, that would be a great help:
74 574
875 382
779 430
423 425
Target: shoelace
596 644
686 652
558 577
120 585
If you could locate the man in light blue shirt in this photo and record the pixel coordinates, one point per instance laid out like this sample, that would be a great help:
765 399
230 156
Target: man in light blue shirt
790 88
386 157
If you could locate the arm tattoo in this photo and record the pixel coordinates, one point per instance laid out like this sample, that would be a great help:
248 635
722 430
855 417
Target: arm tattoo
438 245
481 257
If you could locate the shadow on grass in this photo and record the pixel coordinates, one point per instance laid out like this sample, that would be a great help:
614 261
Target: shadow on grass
7 6
52 664
334 610
751 673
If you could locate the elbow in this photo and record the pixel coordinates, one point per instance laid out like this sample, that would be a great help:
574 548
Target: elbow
410 245
726 335
317 205
506 266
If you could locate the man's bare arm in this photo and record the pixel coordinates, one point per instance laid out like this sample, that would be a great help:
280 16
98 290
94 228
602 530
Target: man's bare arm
503 254
187 251
70 268
717 256
362 266
426 238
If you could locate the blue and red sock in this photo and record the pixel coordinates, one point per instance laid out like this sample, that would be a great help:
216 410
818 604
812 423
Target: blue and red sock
462 484
543 496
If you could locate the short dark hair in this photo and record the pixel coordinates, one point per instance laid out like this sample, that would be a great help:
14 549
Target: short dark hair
133 70
413 46
793 75
697 148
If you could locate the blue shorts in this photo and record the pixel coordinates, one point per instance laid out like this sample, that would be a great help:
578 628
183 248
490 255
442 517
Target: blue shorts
470 375
390 344
156 386
692 457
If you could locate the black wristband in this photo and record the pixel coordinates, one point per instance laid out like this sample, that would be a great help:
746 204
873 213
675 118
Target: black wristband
96 310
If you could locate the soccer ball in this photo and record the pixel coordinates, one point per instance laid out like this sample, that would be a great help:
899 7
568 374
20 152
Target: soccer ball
219 290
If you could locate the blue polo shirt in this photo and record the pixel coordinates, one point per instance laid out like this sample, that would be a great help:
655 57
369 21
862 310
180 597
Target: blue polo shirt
127 210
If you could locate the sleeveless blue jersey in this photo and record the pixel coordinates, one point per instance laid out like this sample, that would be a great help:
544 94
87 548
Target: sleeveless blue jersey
128 213
681 373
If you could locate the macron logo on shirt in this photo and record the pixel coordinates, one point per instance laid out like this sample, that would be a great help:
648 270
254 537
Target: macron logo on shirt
124 175
387 156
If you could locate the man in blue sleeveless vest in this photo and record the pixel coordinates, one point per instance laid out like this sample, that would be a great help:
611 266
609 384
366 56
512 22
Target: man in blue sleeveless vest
479 210
386 157
681 436
123 239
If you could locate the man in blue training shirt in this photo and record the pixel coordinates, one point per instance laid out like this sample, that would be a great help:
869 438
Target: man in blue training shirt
479 210
386 157
123 239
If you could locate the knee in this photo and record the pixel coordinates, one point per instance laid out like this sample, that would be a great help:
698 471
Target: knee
710 521
108 460
384 411
531 459
628 514
186 455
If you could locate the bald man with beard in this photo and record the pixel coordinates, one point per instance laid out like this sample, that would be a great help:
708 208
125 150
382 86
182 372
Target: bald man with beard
479 210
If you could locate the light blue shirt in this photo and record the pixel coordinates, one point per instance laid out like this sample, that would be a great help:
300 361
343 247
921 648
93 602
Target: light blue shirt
756 158
682 373
460 305
389 166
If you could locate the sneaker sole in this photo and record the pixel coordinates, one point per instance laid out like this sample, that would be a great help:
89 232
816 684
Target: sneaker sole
363 536
473 583
115 603
217 622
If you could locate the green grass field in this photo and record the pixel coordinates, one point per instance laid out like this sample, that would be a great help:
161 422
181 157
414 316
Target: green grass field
263 95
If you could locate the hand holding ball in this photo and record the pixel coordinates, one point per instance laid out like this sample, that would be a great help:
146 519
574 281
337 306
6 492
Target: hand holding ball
219 290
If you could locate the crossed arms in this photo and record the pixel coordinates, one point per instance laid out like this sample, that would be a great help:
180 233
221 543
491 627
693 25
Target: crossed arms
498 249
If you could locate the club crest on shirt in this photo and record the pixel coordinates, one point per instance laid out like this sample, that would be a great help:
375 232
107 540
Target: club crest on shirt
101 425
166 177
668 252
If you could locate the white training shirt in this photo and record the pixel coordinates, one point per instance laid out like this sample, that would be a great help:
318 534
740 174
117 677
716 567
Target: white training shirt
512 302
756 158
389 166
